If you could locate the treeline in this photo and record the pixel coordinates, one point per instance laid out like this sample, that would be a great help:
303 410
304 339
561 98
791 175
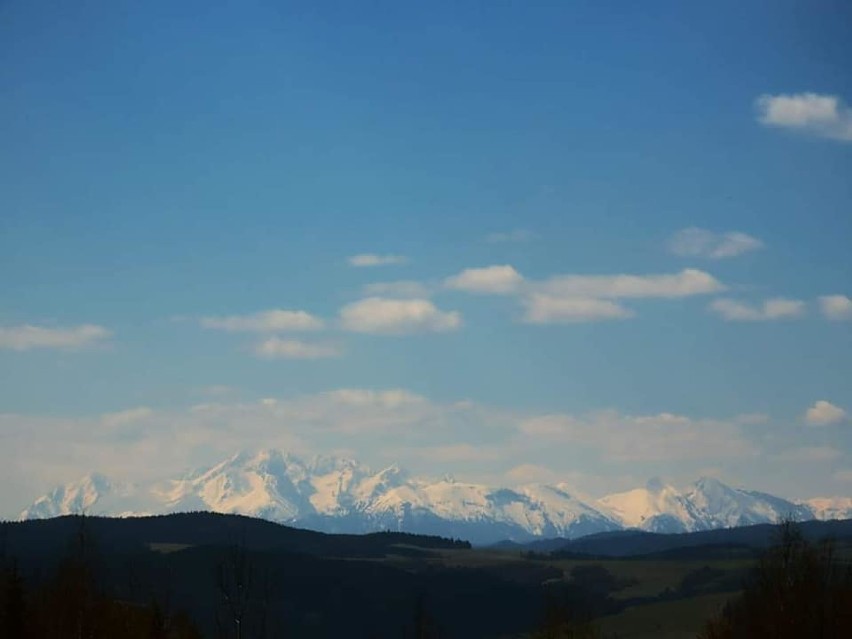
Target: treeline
237 578
98 587
71 604
127 534
798 588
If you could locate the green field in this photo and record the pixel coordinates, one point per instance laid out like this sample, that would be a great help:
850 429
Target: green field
680 617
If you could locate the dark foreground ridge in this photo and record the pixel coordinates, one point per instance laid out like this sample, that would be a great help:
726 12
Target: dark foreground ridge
211 529
192 575
627 543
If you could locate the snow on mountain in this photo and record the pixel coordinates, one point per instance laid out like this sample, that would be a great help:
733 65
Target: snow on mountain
93 494
340 495
530 511
657 507
830 507
559 513
259 486
724 507
706 504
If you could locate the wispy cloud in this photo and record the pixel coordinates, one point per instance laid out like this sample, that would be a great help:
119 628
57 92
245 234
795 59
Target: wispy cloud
277 348
372 259
456 453
514 236
128 416
836 307
399 288
580 298
385 398
495 280
147 444
219 390
533 473
811 454
548 309
824 413
686 283
395 425
696 242
505 279
27 337
265 322
397 316
772 309
635 438
812 113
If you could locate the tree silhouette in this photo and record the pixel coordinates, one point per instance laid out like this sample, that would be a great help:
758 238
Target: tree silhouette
798 589
13 614
71 605
243 595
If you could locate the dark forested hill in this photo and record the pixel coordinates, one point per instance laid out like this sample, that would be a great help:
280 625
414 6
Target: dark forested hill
286 582
628 543
205 529
275 581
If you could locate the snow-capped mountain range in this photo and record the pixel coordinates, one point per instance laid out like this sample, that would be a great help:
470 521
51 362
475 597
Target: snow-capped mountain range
341 495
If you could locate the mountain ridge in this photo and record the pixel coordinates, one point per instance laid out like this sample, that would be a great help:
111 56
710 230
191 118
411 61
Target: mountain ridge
331 494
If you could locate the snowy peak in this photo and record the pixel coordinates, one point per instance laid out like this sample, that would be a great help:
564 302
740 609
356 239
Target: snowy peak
75 497
723 507
93 494
830 507
706 504
338 494
656 508
261 485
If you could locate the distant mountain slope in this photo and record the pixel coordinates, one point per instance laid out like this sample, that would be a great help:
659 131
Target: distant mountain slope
831 507
342 496
39 537
705 505
298 583
634 542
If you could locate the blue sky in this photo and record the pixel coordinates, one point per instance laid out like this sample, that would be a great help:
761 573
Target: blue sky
169 172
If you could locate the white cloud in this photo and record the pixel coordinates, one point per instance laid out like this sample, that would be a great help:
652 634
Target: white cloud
456 453
836 307
696 242
752 419
772 309
391 398
397 316
27 337
378 426
138 445
277 348
371 259
517 235
683 284
532 473
547 309
120 418
265 322
399 288
495 280
823 413
821 115
644 438
581 298
811 454
218 390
